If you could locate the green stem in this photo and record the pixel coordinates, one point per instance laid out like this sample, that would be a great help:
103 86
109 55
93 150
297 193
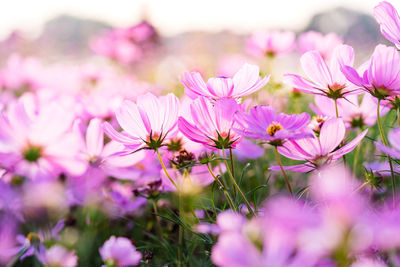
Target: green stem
357 153
180 234
336 109
283 171
165 170
236 185
386 144
360 187
337 116
158 223
231 159
222 187
398 116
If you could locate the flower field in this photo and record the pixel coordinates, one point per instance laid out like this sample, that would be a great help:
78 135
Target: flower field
230 163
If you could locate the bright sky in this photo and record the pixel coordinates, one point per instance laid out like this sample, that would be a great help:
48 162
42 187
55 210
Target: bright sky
174 16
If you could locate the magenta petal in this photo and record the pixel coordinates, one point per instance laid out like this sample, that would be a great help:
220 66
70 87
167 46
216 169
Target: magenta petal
301 84
387 150
394 138
349 146
94 137
316 69
332 133
119 137
302 168
191 131
352 75
389 20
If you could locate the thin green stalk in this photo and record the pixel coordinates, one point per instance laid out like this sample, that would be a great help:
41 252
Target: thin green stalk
180 233
360 187
231 159
158 223
165 170
386 143
283 171
337 116
355 161
222 187
398 116
336 109
236 185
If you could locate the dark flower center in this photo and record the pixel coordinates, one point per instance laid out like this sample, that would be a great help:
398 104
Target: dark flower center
32 153
273 128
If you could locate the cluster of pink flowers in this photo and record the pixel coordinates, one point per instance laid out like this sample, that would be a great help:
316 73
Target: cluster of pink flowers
126 45
103 142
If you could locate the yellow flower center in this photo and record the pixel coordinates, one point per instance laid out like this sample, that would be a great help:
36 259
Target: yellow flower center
273 128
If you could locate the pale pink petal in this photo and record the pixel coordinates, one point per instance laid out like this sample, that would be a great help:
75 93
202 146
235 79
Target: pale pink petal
300 83
95 137
220 87
349 146
332 133
130 119
352 75
316 69
343 55
302 168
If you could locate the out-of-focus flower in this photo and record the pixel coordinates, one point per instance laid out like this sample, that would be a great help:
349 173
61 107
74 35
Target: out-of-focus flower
389 20
318 151
324 80
8 247
33 243
149 123
353 113
245 82
324 44
58 256
381 77
271 43
39 146
263 123
246 149
211 125
125 45
394 140
21 75
366 262
188 183
120 200
119 252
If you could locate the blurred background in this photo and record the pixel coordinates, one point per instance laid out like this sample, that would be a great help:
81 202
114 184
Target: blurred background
192 34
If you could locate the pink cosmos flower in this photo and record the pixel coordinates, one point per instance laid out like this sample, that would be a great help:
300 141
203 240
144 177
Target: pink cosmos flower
148 123
389 20
100 155
381 77
39 146
318 151
263 123
245 82
324 80
353 113
210 124
271 43
324 44
119 252
394 140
